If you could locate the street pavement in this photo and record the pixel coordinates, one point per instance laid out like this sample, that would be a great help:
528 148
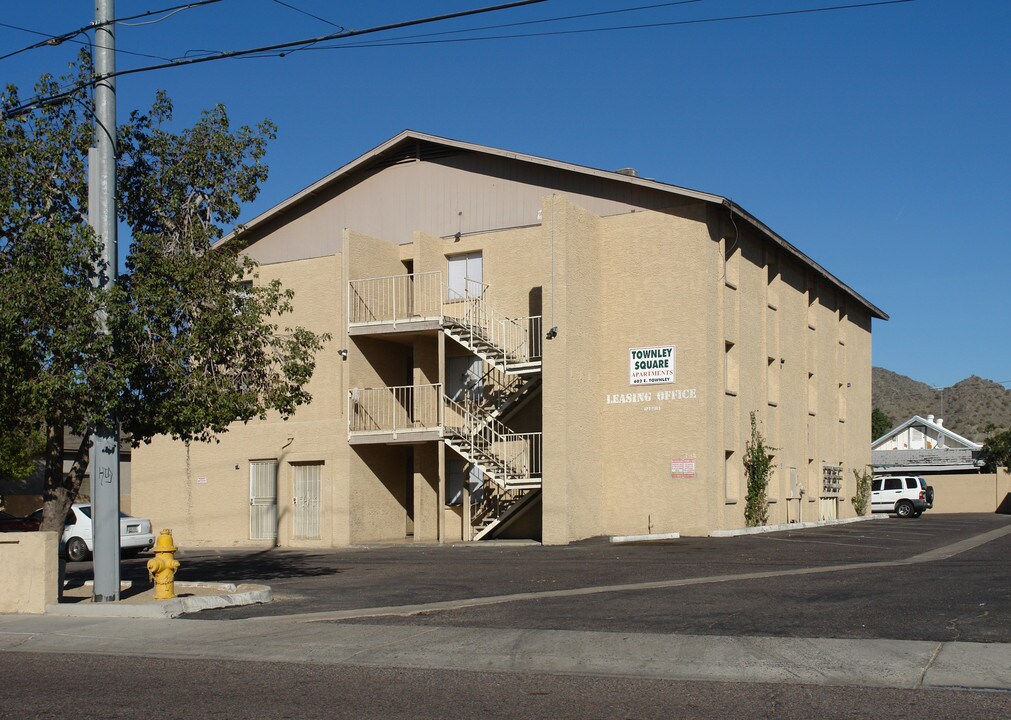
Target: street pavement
919 607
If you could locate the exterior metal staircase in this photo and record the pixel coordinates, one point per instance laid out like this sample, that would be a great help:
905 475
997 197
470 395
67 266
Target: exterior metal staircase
510 344
509 462
508 459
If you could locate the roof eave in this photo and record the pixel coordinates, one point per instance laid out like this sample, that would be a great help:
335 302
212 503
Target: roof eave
405 135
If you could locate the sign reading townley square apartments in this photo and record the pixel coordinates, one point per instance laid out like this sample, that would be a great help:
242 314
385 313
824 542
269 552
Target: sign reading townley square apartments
651 365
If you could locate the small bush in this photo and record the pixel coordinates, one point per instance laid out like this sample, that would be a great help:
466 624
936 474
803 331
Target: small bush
861 501
758 468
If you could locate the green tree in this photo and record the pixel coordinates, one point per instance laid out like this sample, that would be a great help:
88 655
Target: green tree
997 451
880 423
191 346
758 469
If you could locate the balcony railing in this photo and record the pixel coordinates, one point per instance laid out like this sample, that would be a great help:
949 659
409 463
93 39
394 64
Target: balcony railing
398 299
395 299
403 408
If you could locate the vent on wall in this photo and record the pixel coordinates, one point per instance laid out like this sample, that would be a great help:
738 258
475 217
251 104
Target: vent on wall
419 151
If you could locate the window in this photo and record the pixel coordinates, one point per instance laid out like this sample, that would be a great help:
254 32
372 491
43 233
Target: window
731 374
732 263
911 484
772 281
730 477
466 276
772 372
893 483
876 485
812 299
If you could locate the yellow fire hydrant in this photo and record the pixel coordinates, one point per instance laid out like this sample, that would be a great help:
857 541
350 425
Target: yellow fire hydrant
162 568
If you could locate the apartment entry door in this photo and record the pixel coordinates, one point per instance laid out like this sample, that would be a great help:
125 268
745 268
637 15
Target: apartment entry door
263 500
466 276
463 379
305 497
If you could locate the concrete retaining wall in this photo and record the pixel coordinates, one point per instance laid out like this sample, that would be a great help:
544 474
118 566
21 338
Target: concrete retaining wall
967 493
29 571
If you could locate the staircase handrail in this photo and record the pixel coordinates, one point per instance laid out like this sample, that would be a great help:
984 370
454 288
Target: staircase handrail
502 454
511 337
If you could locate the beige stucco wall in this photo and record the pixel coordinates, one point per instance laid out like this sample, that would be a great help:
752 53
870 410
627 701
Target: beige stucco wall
610 284
970 492
201 491
29 571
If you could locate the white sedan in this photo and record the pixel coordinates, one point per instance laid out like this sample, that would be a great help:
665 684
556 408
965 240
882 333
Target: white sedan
135 534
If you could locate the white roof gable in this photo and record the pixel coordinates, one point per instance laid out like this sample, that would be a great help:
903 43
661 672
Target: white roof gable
951 439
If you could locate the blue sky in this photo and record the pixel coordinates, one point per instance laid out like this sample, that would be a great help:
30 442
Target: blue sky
876 139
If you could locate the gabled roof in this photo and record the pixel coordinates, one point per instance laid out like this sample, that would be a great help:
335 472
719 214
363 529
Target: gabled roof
917 420
408 138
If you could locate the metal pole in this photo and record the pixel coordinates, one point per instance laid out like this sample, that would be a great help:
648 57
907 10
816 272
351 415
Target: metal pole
102 217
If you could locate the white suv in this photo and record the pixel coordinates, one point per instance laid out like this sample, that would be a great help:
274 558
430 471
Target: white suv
904 495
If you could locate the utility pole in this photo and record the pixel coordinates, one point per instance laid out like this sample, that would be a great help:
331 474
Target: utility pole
104 461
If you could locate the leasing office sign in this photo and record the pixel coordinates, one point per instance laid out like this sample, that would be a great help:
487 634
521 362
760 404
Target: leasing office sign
652 365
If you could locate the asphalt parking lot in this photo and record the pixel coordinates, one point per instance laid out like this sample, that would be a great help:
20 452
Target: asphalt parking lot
966 597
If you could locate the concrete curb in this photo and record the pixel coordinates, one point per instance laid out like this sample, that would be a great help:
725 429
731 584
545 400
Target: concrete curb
644 538
232 596
791 526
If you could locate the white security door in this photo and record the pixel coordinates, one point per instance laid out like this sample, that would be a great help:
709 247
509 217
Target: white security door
466 276
306 499
263 500
828 508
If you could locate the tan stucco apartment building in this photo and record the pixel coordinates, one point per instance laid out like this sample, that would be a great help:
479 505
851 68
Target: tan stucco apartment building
529 348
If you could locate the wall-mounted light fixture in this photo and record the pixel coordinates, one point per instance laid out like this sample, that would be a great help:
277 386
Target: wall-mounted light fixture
343 352
552 333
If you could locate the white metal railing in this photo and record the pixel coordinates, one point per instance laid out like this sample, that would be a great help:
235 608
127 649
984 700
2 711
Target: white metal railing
395 409
423 296
511 341
525 454
395 298
505 456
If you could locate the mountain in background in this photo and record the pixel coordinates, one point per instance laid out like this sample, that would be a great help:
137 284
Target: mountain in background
967 407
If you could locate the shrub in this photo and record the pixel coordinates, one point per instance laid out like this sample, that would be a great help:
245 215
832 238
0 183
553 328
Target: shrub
861 501
758 468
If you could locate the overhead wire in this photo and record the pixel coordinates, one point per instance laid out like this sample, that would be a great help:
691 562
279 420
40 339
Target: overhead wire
306 12
398 42
53 40
148 13
558 18
27 105
282 49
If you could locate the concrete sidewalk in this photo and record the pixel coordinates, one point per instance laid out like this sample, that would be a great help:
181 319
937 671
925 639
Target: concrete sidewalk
869 663
351 635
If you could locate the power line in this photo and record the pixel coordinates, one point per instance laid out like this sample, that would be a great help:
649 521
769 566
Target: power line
53 40
483 27
304 12
174 9
394 42
27 105
559 18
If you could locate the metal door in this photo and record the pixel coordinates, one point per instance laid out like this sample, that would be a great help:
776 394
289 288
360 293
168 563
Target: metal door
466 276
305 497
263 500
829 508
